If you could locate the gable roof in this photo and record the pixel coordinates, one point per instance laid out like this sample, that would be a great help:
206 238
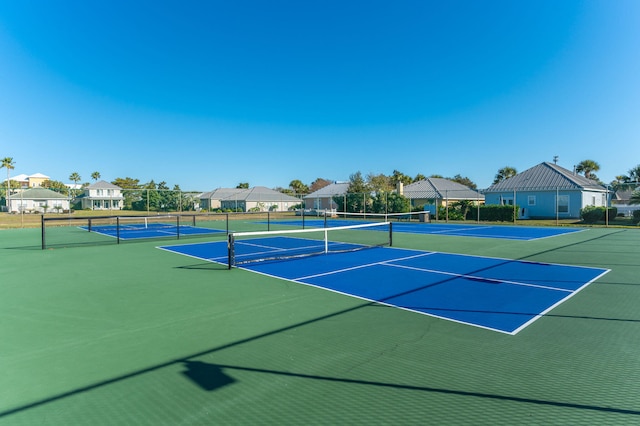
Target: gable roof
260 193
335 188
101 184
39 176
441 188
39 194
545 176
220 193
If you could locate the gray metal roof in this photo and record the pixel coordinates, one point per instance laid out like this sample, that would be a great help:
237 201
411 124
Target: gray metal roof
335 188
101 184
220 193
260 193
545 176
441 188
39 194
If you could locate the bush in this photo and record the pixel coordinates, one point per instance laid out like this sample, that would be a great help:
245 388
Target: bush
592 214
636 217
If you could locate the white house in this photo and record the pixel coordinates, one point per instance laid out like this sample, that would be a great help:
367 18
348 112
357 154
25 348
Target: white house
547 191
101 196
40 200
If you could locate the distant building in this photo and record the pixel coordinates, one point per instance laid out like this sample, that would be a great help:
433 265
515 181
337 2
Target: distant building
258 198
547 191
323 198
432 192
101 195
38 200
29 181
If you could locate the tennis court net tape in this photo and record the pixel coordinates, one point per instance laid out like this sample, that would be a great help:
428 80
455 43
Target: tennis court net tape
261 246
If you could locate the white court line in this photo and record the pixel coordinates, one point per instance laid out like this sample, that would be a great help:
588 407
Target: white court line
474 277
337 271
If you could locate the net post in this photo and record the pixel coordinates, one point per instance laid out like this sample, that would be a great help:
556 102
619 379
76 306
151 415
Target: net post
390 234
178 227
268 221
325 218
89 226
117 229
43 241
326 241
227 221
231 251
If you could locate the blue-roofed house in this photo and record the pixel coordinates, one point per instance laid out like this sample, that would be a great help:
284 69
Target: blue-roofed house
547 191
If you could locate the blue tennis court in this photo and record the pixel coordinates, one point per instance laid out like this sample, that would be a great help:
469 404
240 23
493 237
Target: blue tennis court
151 230
507 232
496 294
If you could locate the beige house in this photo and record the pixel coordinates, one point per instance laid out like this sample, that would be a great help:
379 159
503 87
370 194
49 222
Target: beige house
29 181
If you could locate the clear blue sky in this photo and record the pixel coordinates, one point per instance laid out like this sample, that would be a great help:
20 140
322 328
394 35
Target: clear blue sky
208 94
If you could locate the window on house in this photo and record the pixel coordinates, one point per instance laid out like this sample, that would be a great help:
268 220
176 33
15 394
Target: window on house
531 200
563 204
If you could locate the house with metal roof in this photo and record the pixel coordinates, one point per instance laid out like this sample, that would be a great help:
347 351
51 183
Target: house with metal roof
432 192
38 200
101 195
258 198
547 191
323 198
211 200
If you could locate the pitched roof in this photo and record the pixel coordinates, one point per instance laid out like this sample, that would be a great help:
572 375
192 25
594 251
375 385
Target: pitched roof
260 193
220 193
335 188
39 176
101 184
441 188
18 178
545 176
39 194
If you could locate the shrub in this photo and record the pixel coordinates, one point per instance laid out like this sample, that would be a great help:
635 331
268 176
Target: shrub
497 213
636 217
592 214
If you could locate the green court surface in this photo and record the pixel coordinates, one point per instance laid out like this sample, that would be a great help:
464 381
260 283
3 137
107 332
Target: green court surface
132 335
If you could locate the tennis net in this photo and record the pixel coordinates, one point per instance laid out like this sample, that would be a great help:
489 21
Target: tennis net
262 246
344 218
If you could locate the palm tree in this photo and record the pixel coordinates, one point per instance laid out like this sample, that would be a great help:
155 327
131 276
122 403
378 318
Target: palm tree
504 173
95 176
298 187
9 164
634 174
587 167
635 197
75 178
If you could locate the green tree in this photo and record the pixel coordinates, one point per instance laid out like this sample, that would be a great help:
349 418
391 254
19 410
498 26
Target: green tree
464 181
298 187
634 174
588 167
130 191
379 183
57 186
635 197
319 183
95 176
419 177
9 164
243 185
397 176
75 178
504 173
